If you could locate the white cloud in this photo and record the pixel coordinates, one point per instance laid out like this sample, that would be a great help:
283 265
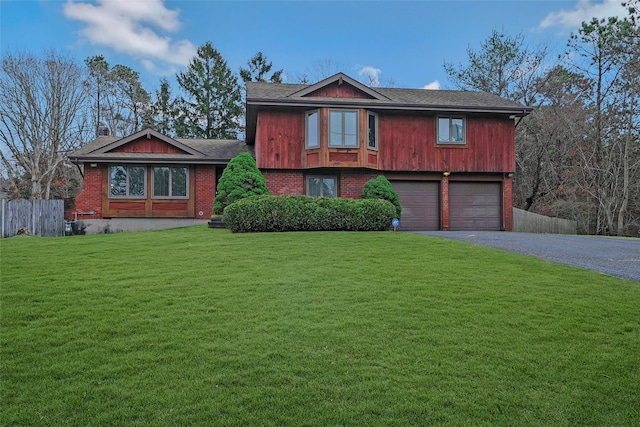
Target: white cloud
371 75
584 11
434 85
133 27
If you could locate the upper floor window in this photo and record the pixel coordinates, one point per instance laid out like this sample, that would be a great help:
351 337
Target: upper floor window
343 128
127 181
312 129
372 131
170 182
451 130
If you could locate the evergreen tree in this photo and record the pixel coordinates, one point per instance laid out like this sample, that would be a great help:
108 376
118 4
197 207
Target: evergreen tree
380 188
163 109
240 179
212 105
258 70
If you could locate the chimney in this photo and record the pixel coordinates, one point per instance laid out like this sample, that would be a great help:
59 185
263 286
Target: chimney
103 130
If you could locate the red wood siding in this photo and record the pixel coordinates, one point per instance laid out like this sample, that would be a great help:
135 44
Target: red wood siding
335 91
145 145
408 143
280 139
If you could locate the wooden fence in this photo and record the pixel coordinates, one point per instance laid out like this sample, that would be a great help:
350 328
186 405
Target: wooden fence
40 217
529 222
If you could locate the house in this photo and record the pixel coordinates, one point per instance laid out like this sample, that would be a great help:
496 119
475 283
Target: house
150 175
450 155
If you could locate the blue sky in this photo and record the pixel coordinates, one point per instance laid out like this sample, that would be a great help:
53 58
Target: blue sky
404 43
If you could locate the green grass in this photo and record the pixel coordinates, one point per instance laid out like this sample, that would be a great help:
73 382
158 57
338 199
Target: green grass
195 326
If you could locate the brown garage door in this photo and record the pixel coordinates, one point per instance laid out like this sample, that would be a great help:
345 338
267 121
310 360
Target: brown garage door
475 206
420 205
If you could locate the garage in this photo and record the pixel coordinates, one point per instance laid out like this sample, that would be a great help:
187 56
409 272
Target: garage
475 206
420 203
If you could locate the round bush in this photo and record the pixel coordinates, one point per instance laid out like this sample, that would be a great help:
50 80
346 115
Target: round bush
380 188
302 213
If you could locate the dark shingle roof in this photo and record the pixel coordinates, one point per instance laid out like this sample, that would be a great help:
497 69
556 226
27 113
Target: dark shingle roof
204 151
391 98
262 94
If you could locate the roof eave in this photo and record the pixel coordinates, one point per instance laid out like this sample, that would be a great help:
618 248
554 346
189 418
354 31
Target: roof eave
147 160
517 111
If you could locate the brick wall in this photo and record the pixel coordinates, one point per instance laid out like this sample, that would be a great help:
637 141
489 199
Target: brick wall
352 183
291 182
284 182
507 203
90 198
444 201
205 189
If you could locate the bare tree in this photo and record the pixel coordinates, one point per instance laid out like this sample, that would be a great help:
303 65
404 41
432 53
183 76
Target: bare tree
118 98
42 106
504 65
606 52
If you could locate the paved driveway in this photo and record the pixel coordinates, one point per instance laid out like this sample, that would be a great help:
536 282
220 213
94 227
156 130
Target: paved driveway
615 256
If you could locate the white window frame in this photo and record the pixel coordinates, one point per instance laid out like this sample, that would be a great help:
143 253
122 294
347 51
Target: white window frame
128 185
343 145
307 135
450 120
376 136
170 196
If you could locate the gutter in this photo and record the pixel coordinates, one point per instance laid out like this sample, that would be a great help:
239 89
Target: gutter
148 160
520 112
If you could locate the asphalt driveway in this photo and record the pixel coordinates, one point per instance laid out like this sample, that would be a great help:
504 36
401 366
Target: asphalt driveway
609 255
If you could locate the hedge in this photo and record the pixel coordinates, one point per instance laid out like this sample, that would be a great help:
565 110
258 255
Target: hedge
302 213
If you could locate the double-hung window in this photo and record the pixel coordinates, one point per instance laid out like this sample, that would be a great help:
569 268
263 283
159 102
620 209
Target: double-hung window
451 130
343 128
127 181
322 186
170 181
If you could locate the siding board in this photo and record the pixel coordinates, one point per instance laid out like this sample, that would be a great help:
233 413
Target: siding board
407 143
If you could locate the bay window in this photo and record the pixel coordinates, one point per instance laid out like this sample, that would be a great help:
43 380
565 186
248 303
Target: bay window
372 131
312 129
343 128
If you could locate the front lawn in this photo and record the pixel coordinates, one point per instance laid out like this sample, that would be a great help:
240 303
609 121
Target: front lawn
196 326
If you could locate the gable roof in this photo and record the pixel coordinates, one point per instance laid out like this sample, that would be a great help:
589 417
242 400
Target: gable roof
339 78
261 94
193 151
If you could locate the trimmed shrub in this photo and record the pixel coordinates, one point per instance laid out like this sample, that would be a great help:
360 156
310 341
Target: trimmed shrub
302 213
380 188
240 179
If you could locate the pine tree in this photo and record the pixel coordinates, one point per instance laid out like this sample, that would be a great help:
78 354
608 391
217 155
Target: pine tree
212 105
